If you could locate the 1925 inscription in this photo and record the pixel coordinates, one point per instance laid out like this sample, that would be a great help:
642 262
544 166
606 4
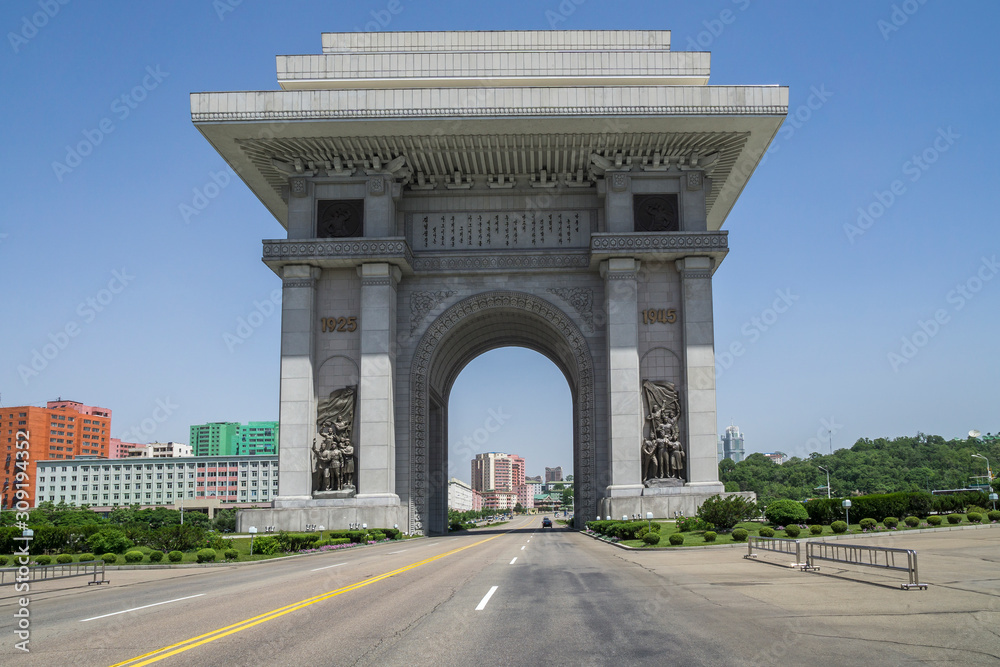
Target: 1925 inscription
334 324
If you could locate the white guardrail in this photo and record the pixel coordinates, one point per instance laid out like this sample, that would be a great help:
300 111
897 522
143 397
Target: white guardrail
90 568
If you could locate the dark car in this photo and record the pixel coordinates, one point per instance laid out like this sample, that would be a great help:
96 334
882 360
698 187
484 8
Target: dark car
546 522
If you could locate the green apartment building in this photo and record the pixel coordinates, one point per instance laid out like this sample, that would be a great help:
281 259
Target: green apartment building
235 439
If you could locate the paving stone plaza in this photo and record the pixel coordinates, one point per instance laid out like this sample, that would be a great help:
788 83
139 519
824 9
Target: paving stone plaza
449 193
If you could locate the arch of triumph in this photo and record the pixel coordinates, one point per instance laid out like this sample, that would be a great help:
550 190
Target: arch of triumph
448 193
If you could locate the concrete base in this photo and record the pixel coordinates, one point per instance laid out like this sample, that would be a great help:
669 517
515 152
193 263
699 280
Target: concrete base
333 514
664 502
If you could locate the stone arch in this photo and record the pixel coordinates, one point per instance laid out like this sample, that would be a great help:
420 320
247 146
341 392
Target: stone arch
464 331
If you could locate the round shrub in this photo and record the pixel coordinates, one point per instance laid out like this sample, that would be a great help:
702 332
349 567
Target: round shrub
109 558
839 527
994 515
868 524
677 539
155 556
378 536
710 535
890 522
206 555
954 518
175 556
62 559
231 554
83 558
655 527
766 531
43 560
792 531
740 535
974 517
816 529
652 539
784 512
912 521
934 520
134 556
3 561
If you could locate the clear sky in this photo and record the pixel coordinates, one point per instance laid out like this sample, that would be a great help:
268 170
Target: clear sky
893 114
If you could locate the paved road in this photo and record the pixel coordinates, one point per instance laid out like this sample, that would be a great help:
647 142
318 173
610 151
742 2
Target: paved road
519 594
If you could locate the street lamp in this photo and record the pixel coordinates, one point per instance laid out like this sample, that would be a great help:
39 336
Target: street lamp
253 531
989 471
993 497
847 508
321 529
827 481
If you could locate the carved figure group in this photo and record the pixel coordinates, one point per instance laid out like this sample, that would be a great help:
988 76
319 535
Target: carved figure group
663 455
335 456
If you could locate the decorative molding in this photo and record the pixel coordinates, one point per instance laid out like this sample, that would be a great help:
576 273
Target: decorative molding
300 282
619 181
507 262
422 303
298 187
651 241
694 180
696 274
621 275
376 185
356 249
585 447
581 299
377 282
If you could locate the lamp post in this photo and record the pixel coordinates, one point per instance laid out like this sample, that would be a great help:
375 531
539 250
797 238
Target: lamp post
993 497
989 471
847 509
649 520
321 529
253 531
827 481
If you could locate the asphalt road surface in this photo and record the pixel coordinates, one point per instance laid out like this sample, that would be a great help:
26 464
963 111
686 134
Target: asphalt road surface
522 595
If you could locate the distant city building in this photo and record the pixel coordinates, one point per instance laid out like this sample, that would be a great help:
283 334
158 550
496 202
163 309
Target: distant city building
108 483
777 457
235 439
499 478
548 502
60 430
535 479
553 474
534 485
160 450
551 487
119 449
462 497
731 445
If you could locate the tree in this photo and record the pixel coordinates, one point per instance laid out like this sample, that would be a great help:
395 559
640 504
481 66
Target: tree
518 508
567 497
725 513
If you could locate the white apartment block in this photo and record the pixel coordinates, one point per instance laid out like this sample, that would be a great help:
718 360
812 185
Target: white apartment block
161 450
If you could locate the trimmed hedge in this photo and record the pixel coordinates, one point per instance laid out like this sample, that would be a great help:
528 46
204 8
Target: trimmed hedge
912 521
42 560
740 535
994 515
652 539
231 554
935 520
62 559
84 557
155 556
710 535
881 505
676 539
175 556
974 517
839 527
792 531
206 555
890 522
766 531
816 529
868 524
134 556
954 519
110 558
784 512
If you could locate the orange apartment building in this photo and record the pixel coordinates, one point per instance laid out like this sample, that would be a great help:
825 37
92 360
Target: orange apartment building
60 430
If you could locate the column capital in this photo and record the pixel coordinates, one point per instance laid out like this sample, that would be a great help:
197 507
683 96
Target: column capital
695 267
300 275
374 274
620 268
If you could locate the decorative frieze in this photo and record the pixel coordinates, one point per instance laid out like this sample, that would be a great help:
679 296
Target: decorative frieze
686 241
422 303
581 299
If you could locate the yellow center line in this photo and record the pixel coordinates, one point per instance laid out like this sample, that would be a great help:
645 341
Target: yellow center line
180 647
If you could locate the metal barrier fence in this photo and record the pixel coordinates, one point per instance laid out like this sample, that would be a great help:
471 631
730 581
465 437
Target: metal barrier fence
777 545
885 558
94 568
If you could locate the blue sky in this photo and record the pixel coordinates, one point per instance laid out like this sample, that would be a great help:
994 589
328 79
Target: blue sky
893 113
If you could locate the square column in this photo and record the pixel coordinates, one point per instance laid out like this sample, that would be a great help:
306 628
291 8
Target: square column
699 370
624 390
297 410
376 405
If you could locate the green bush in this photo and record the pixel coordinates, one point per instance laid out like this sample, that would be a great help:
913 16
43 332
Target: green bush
377 536
816 529
766 531
676 539
838 527
724 513
710 535
868 524
784 512
686 523
267 545
934 520
300 541
792 531
109 558
206 555
740 535
890 522
954 518
652 539
134 556
155 556
42 560
912 521
62 559
994 515
3 561
974 517
109 540
175 556
231 554
333 542
83 558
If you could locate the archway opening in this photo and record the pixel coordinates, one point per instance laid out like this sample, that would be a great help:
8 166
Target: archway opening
516 401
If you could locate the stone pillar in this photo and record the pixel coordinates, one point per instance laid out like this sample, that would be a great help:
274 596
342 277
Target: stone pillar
297 411
618 216
380 207
376 407
624 390
699 370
